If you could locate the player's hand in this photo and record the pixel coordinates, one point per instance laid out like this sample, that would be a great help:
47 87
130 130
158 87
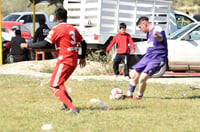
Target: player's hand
23 45
158 38
82 63
107 51
155 34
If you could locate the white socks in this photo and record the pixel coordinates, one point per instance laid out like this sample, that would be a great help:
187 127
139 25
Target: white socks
139 95
129 93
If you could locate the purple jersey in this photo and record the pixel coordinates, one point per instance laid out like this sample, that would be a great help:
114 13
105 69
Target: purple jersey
156 49
156 55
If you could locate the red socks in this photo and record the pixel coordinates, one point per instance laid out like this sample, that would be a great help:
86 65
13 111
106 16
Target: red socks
63 96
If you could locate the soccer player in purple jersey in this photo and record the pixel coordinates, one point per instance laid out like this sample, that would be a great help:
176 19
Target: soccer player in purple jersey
153 60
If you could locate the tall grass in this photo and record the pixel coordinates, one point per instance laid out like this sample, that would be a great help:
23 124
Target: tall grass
99 57
104 59
27 104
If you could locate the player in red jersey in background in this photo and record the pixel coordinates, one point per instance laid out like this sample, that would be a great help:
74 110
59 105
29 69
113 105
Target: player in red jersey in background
66 38
122 39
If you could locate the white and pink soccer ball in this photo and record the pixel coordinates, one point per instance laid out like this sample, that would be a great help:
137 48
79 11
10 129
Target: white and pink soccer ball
116 93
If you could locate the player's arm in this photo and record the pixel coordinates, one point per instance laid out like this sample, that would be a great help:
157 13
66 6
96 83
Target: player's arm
158 33
47 41
82 61
131 43
158 36
111 44
35 37
83 49
36 45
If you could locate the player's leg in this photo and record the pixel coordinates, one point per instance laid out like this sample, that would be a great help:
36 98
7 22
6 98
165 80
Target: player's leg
60 94
126 65
116 63
152 66
62 86
133 82
63 106
60 74
142 85
135 74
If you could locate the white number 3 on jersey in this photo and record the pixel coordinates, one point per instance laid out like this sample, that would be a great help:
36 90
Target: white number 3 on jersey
73 41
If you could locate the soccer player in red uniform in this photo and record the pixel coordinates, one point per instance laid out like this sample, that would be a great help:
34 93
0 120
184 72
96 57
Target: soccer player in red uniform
66 38
122 39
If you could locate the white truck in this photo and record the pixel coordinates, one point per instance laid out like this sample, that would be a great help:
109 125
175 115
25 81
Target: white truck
27 19
98 20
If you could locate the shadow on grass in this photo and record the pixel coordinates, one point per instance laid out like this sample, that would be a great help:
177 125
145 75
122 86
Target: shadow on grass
186 97
113 108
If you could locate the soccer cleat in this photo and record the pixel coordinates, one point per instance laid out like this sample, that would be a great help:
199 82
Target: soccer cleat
127 78
137 98
128 96
63 106
73 111
116 76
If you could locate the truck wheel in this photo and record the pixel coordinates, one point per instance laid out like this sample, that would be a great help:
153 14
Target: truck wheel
160 72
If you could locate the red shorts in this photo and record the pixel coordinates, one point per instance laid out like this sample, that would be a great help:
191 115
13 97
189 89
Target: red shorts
60 74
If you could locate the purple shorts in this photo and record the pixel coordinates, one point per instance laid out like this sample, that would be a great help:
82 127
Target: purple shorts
149 66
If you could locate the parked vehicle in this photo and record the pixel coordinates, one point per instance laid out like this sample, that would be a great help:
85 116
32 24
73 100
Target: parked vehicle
27 19
6 44
197 17
10 28
183 50
6 36
98 20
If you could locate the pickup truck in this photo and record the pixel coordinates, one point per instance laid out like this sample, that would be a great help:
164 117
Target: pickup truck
183 50
98 20
27 19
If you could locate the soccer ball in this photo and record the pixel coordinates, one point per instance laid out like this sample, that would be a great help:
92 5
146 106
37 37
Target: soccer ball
116 93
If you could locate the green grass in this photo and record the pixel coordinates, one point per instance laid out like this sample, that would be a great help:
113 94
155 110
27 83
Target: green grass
27 104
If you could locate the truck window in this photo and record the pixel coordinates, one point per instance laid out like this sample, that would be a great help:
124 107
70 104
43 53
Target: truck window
27 18
39 16
22 28
182 21
195 34
180 32
11 17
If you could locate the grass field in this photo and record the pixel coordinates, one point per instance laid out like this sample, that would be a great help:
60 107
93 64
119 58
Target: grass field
27 104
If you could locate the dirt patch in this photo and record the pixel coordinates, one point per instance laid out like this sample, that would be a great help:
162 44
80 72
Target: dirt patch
34 68
38 66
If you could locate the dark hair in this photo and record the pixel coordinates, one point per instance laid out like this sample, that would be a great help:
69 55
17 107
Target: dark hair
122 25
143 18
42 21
17 32
61 14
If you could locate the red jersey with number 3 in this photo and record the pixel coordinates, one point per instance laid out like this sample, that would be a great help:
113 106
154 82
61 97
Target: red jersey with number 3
66 37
